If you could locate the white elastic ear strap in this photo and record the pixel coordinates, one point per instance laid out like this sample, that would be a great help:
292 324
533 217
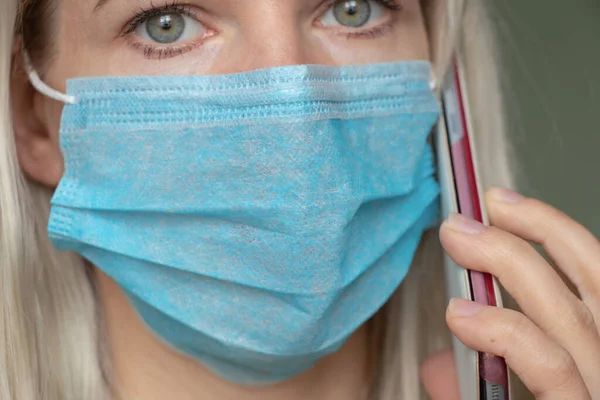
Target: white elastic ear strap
433 84
41 86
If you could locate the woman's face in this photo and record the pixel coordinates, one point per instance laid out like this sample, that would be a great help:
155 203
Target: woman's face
148 37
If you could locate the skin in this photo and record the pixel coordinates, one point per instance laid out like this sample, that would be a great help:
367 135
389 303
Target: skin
554 346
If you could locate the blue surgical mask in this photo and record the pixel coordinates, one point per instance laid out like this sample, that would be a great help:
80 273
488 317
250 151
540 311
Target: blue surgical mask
255 220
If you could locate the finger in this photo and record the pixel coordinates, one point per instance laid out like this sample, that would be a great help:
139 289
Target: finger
572 247
536 287
438 374
547 369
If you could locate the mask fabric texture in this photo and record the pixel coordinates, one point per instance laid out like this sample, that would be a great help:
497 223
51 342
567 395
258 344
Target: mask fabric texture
255 220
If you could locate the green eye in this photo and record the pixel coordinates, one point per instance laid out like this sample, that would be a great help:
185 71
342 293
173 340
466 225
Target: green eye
352 13
165 28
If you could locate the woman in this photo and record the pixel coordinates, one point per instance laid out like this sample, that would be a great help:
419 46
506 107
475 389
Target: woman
72 329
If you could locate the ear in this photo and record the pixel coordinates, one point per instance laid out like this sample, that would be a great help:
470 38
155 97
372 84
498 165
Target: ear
36 123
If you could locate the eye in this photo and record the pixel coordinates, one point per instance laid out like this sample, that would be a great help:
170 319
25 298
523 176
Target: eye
170 28
353 13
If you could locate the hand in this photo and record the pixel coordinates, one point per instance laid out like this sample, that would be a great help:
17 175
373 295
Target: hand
554 345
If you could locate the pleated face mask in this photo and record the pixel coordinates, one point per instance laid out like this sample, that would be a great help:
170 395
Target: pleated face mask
254 220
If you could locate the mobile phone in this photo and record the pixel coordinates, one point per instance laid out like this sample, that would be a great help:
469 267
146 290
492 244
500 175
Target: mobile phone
481 376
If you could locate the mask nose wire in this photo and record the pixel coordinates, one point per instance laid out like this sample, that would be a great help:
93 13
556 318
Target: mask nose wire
42 87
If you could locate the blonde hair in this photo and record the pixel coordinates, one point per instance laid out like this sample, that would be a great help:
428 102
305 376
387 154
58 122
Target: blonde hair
50 327
414 319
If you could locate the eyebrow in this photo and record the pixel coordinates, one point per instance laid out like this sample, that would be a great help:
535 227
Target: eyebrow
100 4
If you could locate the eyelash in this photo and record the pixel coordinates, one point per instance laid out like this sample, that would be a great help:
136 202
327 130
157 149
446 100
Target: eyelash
155 52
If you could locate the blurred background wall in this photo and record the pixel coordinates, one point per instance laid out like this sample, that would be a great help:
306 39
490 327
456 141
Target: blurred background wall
553 86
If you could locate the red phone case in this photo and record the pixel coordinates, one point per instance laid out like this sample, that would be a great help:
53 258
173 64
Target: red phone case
492 369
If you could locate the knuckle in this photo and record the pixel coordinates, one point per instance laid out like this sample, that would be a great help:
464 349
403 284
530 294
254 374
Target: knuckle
504 252
592 294
515 327
573 318
563 369
580 318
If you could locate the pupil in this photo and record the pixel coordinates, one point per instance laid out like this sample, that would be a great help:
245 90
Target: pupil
351 8
165 22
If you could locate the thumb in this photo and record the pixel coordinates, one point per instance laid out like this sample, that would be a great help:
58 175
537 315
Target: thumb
438 374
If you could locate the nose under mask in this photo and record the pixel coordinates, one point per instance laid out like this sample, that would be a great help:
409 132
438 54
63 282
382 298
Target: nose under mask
254 220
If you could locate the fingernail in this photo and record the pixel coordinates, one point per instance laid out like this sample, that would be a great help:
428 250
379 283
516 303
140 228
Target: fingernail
463 224
463 308
506 196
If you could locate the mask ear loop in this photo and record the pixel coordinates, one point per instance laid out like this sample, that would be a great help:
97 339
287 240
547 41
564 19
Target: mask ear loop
42 87
433 81
433 84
